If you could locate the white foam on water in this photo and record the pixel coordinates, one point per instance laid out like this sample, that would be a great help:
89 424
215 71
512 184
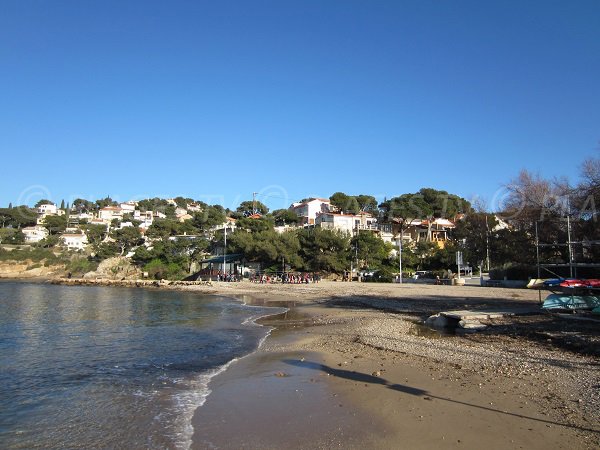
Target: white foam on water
187 401
197 391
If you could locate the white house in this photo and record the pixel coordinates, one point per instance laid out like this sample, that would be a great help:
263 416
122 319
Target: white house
230 224
180 211
48 209
127 207
334 221
346 222
34 234
82 216
74 241
308 210
194 207
109 213
145 217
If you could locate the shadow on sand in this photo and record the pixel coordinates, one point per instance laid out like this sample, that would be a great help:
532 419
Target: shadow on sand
372 379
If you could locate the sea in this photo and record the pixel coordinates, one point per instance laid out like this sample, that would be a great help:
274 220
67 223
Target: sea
86 367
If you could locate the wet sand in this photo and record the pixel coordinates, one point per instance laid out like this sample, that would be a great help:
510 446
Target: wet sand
347 367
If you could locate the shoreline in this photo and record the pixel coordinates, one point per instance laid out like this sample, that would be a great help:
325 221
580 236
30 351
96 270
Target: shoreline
356 377
349 366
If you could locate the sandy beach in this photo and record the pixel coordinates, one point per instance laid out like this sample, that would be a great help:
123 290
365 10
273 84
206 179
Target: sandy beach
350 366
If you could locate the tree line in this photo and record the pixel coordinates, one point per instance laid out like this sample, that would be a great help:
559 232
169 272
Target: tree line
535 210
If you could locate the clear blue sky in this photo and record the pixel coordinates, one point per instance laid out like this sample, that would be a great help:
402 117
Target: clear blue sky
215 100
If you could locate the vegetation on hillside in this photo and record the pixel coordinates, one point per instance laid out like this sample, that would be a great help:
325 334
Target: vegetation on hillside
535 208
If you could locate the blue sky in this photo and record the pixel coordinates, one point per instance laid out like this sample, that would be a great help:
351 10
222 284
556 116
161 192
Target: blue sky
216 100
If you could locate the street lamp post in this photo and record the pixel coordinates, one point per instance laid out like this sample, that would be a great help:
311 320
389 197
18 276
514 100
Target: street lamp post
400 256
224 249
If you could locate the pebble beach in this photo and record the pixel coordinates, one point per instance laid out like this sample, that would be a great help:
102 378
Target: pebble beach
360 370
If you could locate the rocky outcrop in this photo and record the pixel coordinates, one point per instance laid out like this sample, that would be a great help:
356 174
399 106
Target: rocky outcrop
128 283
28 269
118 268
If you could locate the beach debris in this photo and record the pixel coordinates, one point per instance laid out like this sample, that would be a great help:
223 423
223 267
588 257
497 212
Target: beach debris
438 321
377 373
281 374
471 325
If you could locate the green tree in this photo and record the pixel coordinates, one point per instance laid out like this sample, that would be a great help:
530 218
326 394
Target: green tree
370 250
104 202
266 247
285 217
126 238
183 202
55 224
155 204
250 207
210 217
49 241
367 203
427 203
95 234
475 232
11 236
324 250
162 228
81 205
106 250
255 225
18 217
345 203
43 202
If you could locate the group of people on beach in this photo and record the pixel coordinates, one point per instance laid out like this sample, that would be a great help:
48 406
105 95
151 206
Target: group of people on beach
286 278
269 278
228 277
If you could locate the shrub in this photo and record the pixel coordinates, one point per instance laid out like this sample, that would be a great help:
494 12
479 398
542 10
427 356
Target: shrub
81 266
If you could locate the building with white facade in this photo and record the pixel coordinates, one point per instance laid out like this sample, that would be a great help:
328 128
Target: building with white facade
145 217
109 213
48 209
35 233
74 241
308 210
350 223
128 207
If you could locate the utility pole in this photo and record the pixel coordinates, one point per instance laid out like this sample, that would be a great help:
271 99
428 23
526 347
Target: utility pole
569 243
224 247
254 202
400 256
487 244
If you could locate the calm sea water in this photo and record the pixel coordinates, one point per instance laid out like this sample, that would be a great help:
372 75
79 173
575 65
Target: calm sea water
96 367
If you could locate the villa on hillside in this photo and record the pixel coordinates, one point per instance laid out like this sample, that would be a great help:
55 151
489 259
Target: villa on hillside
146 218
35 233
436 230
128 207
308 209
351 223
74 241
48 209
109 213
